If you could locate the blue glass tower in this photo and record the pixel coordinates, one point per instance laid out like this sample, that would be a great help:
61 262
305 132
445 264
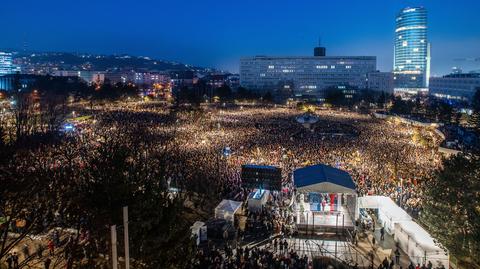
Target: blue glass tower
6 63
412 50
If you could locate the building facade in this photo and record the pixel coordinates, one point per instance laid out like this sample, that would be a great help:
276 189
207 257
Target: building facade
150 78
6 64
90 77
412 51
17 82
380 81
460 87
305 76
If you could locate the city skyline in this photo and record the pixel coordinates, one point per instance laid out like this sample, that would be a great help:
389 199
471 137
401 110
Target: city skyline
199 35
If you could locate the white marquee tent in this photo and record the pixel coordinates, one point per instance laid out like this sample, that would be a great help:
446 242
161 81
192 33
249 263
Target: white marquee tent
389 213
199 230
419 245
226 210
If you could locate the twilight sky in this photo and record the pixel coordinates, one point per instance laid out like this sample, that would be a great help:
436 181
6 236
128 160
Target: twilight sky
217 33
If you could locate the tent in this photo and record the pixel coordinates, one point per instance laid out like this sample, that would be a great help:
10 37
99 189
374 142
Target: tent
419 245
226 210
199 230
323 178
389 212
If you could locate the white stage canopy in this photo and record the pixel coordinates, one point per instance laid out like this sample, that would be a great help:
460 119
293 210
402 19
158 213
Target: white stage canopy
226 210
419 245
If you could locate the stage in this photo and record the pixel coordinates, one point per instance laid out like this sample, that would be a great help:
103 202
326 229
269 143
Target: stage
325 200
324 221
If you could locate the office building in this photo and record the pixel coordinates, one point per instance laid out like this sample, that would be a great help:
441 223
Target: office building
88 76
458 86
150 78
412 51
17 82
380 81
114 77
304 76
6 63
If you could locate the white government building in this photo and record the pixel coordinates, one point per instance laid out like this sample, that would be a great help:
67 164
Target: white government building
309 75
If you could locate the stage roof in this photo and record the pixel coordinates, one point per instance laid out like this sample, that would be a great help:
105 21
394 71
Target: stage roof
323 178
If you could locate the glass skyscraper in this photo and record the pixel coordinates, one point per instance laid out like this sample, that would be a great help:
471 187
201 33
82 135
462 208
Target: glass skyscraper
6 63
412 51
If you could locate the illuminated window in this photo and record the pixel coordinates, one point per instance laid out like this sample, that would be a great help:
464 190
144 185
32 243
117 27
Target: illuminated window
408 61
332 67
404 43
415 50
271 67
348 67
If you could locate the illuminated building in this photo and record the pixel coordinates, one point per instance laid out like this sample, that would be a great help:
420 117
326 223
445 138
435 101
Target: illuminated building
412 51
6 63
305 76
456 86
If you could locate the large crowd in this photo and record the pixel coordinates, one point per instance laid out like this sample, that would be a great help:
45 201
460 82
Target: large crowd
381 156
280 256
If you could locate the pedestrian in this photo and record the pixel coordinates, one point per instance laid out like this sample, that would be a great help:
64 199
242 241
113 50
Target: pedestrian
39 251
382 233
397 256
47 263
9 261
51 247
26 252
15 260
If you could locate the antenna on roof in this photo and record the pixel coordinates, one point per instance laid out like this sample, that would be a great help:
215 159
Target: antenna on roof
319 51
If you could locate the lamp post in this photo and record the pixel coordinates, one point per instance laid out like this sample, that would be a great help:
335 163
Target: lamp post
125 235
113 231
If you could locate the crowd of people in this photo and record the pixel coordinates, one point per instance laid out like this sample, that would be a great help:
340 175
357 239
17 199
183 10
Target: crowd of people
381 157
280 257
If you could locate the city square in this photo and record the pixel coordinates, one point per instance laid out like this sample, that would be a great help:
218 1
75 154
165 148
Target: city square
240 134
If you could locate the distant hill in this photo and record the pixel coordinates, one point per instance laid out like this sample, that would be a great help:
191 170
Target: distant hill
79 61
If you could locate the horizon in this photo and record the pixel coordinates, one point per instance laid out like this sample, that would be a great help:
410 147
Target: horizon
242 30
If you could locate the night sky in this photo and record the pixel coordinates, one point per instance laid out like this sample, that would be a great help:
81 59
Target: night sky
217 33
